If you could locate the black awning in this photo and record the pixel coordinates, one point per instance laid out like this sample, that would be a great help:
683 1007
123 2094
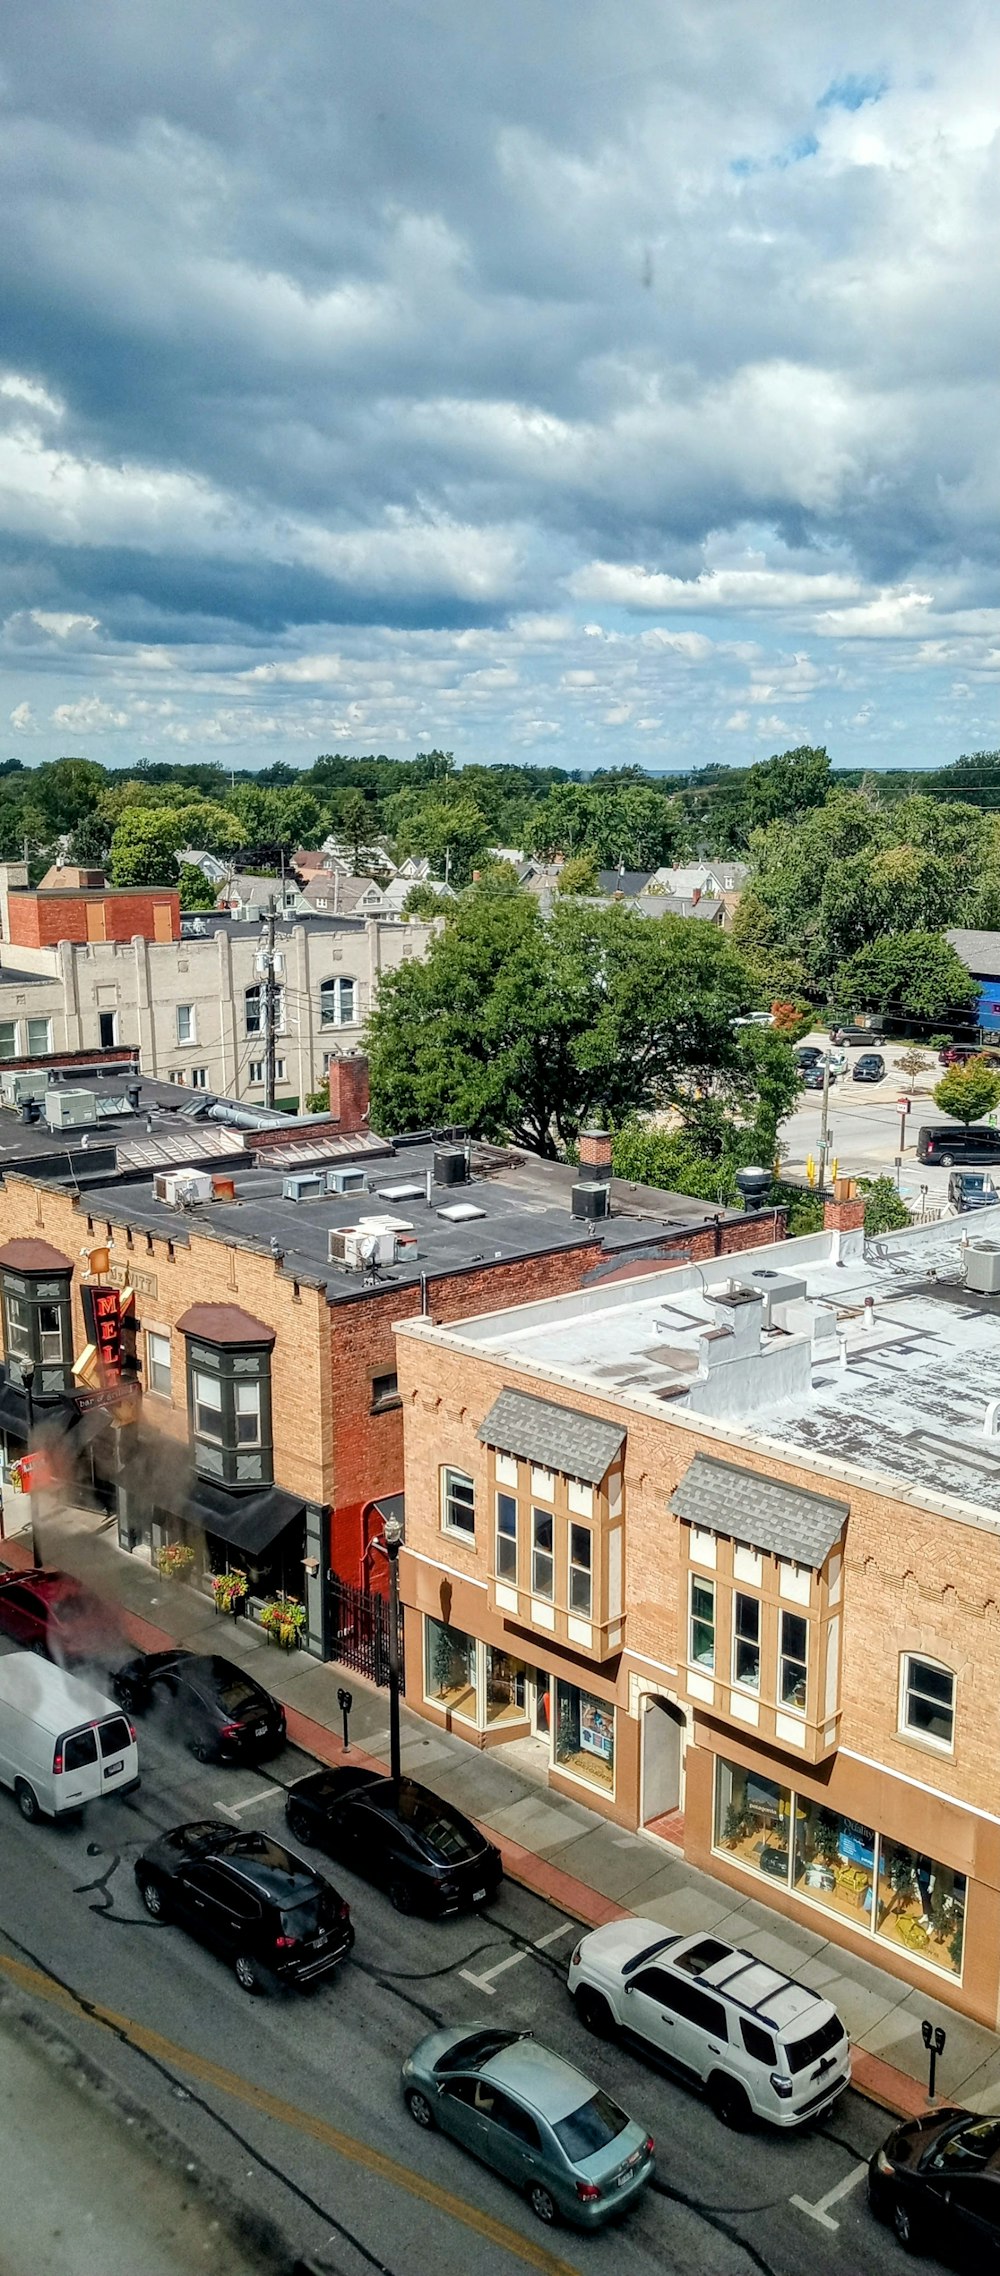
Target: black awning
13 1411
245 1521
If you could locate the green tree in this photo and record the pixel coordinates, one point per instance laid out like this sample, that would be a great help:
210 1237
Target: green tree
425 901
968 1092
196 891
895 889
885 1210
578 875
521 1028
786 786
65 790
454 836
144 846
916 975
90 841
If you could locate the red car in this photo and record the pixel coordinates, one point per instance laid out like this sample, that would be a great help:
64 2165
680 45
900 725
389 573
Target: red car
51 1613
959 1054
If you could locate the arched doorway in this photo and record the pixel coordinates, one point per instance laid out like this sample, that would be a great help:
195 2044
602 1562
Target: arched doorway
664 1728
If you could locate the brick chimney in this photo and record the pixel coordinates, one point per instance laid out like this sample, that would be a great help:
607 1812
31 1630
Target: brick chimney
595 1156
349 1093
846 1212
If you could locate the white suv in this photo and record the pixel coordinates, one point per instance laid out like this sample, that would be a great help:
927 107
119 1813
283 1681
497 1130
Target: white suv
757 2041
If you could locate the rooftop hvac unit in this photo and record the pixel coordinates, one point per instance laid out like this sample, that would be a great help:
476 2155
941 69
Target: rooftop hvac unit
303 1185
373 1241
182 1189
588 1200
346 1181
982 1267
451 1166
15 1089
70 1110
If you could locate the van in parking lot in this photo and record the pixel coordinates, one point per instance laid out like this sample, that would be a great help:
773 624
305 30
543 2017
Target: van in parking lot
62 1743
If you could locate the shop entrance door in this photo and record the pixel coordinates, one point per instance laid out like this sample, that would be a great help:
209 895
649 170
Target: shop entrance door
663 1734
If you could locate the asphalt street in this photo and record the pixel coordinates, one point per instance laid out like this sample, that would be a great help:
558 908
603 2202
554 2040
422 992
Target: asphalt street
865 1125
295 2100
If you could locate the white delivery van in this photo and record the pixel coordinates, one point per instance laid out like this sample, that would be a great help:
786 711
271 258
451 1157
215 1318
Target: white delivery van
62 1743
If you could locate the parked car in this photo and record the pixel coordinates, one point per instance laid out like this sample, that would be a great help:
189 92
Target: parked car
429 1857
950 1142
814 1078
859 1035
937 2180
62 1743
971 1189
759 2043
213 1706
534 2118
959 1054
52 1613
246 1896
870 1068
807 1054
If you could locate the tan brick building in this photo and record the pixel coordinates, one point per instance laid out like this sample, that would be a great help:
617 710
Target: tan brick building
726 1555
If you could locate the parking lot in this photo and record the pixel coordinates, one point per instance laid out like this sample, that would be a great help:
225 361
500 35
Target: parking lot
866 1126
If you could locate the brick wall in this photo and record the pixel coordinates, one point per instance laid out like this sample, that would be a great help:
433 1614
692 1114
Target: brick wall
41 920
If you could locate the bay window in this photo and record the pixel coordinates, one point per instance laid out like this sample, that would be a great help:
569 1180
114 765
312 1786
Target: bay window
229 1407
702 1640
793 1666
542 1557
506 1538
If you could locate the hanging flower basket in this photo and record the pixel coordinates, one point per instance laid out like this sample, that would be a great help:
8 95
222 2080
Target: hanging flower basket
174 1562
229 1591
282 1621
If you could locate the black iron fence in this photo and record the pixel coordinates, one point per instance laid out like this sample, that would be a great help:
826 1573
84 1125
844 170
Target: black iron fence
359 1631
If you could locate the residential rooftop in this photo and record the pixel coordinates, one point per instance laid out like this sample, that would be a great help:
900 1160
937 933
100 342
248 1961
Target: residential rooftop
880 1357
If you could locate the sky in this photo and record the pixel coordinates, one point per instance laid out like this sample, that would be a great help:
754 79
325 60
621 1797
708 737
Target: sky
537 379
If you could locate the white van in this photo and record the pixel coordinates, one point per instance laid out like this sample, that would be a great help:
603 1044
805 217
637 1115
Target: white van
62 1743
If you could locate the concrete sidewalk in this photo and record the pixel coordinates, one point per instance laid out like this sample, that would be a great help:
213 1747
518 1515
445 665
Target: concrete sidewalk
592 1870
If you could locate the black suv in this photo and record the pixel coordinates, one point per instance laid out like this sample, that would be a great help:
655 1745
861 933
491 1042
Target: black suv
429 1857
212 1705
870 1068
264 1910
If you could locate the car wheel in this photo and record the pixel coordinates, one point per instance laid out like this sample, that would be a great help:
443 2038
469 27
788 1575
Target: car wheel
947 1161
594 2013
401 1896
902 2221
730 2102
300 1826
542 2203
154 1899
27 1801
420 2109
201 1750
246 1973
126 1695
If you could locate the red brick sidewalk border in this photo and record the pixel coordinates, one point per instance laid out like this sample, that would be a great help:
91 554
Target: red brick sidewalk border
878 2081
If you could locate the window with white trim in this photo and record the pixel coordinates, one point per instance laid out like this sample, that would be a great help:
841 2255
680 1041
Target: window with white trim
255 1071
542 1554
338 1002
746 1641
458 1503
185 1023
199 1078
39 1037
927 1700
8 1039
279 1071
581 1578
506 1538
701 1646
158 1363
793 1668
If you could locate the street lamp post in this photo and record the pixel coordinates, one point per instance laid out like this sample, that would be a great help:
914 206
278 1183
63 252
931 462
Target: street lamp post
392 1535
28 1381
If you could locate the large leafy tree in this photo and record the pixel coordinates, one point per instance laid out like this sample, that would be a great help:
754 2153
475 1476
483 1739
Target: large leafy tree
521 1027
915 974
144 845
968 1092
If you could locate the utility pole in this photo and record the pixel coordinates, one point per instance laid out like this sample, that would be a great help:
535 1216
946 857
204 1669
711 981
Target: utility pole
267 959
824 1128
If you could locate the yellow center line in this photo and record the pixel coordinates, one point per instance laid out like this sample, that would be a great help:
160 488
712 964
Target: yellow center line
287 2114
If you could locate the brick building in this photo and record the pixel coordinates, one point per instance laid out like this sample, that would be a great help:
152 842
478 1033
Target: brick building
262 1309
724 1554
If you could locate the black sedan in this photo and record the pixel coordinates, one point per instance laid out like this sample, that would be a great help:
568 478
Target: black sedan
937 2180
250 1900
213 1706
870 1068
814 1075
428 1856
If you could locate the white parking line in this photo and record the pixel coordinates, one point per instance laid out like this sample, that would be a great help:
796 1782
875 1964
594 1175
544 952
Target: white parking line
818 2212
235 1809
484 1980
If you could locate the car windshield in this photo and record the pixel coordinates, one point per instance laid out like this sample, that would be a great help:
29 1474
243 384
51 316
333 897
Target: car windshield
590 2128
477 2048
433 1824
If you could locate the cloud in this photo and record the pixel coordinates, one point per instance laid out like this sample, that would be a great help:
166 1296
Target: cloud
377 385
22 719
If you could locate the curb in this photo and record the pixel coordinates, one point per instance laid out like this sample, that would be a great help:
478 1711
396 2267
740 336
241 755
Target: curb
876 2080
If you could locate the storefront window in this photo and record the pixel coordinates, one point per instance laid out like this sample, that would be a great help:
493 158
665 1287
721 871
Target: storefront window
835 1862
880 1888
506 1688
585 1736
921 1906
451 1670
752 1817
